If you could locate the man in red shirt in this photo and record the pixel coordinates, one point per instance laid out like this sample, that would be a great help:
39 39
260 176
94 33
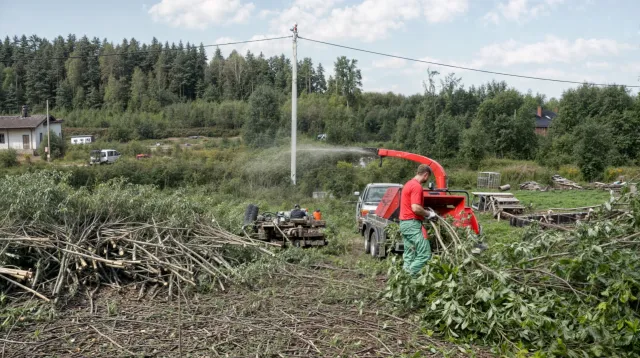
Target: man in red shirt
417 248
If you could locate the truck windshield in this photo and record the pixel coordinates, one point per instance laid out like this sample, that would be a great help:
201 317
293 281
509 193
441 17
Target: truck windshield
375 194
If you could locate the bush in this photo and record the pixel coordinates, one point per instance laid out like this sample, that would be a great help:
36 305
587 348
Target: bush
8 158
58 147
548 294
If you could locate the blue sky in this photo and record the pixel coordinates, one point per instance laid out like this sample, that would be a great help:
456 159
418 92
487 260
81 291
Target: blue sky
575 40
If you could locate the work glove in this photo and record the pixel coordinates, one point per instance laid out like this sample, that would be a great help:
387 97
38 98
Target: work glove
432 216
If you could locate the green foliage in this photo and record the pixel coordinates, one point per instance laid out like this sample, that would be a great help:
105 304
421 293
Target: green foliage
263 118
447 136
572 294
8 158
593 149
475 144
342 180
163 90
58 146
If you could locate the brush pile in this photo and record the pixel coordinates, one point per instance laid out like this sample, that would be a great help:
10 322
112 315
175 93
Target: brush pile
55 239
549 293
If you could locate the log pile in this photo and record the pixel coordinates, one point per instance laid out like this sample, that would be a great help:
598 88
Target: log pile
54 260
564 183
615 186
533 186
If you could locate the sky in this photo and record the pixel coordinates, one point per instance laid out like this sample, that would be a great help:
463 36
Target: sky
576 40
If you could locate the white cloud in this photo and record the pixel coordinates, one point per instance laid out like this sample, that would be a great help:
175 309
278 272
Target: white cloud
513 10
200 14
632 68
552 49
567 75
597 65
491 17
444 10
266 13
369 20
520 10
391 63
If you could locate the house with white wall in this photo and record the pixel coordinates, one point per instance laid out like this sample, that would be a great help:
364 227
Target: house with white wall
26 133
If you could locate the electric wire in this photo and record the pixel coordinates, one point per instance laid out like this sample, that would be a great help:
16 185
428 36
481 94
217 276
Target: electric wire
465 68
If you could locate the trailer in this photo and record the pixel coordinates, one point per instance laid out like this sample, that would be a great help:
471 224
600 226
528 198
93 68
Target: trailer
443 201
496 203
282 230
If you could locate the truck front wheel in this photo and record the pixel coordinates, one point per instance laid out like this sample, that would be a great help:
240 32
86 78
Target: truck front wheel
375 245
367 241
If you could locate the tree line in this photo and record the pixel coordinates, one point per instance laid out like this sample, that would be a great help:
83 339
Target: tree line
93 74
140 90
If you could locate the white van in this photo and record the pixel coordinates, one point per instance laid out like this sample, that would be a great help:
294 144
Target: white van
104 156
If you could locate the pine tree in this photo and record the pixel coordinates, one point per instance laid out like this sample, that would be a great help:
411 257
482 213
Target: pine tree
94 98
113 94
6 56
319 82
79 98
138 89
234 69
214 77
37 80
64 96
306 76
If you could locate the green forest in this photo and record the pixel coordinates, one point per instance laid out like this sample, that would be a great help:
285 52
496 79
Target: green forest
132 90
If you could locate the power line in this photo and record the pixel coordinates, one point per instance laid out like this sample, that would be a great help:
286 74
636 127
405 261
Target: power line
462 67
154 50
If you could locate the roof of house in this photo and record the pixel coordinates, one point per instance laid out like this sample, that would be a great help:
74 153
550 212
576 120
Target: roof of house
17 122
545 120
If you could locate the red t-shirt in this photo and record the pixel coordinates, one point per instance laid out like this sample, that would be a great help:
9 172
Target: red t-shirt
411 194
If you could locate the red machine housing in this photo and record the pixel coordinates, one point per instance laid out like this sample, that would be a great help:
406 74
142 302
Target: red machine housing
443 202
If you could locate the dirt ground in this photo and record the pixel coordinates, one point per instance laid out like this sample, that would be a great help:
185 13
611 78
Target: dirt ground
291 311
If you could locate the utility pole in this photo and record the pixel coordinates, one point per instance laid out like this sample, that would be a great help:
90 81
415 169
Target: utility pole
48 135
294 103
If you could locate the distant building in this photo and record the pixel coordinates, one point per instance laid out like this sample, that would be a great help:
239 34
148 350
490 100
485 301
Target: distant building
26 132
543 120
82 139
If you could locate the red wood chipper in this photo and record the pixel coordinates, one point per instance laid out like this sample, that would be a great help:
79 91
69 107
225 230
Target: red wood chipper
443 201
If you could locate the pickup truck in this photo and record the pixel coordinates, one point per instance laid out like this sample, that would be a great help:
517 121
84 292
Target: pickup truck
368 200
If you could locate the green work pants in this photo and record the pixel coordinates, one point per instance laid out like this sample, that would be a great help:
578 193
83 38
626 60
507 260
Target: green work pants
417 249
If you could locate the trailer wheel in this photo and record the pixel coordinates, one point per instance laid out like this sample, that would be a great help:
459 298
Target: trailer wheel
375 247
251 214
367 242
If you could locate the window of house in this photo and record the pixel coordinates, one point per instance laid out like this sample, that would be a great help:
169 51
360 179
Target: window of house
1 138
40 137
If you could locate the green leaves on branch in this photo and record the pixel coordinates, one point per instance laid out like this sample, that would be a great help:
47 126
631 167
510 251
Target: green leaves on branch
571 294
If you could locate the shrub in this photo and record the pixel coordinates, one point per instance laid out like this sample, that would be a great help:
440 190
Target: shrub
58 147
8 158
